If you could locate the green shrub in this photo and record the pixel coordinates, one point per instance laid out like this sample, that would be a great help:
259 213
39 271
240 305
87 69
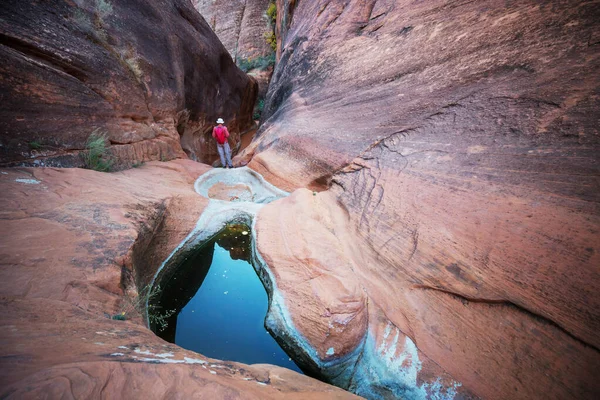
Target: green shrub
137 306
262 62
271 39
272 12
259 109
35 145
96 155
272 16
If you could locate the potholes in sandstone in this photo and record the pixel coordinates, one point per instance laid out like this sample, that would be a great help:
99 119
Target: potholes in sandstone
210 298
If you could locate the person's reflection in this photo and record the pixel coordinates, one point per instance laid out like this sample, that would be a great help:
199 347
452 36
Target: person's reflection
236 240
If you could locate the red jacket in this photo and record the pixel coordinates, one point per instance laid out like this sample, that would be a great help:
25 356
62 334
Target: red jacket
221 134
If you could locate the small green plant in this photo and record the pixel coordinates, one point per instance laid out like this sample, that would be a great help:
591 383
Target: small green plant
96 155
259 109
158 319
261 63
271 39
269 36
272 12
137 306
156 316
35 145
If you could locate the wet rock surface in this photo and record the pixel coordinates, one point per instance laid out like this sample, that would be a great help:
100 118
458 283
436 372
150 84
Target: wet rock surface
459 232
77 245
150 74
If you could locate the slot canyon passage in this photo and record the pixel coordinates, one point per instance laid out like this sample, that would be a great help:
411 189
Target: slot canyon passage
421 194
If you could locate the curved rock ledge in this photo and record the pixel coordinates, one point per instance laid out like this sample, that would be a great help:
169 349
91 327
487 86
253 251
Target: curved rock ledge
219 213
455 146
352 355
75 246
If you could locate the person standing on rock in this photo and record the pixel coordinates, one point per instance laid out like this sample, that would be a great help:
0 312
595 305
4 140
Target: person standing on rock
220 133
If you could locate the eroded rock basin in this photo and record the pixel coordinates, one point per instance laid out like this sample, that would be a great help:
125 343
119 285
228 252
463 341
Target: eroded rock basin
349 356
215 304
80 243
210 293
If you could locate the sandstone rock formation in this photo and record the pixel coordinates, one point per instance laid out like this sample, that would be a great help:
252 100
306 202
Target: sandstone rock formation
75 245
241 26
456 250
151 74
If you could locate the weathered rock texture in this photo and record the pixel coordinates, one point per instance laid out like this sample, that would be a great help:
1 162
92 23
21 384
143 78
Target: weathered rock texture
241 25
74 246
460 235
150 74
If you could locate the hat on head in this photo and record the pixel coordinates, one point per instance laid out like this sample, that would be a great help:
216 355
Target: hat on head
220 121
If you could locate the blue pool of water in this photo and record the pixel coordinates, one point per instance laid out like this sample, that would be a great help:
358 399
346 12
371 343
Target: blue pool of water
219 304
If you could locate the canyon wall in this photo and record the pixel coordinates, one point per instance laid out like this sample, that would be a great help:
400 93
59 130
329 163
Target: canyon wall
242 27
151 75
453 249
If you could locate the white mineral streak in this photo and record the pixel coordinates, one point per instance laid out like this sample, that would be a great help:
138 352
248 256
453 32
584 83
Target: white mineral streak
28 181
219 213
395 359
398 360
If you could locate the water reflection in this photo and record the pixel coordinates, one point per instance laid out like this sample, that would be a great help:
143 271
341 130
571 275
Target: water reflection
220 303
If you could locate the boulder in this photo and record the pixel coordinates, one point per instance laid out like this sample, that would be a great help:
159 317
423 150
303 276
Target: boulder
454 248
149 75
77 248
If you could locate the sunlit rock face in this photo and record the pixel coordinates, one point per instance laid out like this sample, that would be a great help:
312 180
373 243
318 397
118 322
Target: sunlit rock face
151 75
459 231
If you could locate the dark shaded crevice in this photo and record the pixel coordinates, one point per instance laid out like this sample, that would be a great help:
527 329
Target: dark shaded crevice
290 10
415 240
239 31
352 166
322 9
369 12
321 183
371 7
507 303
190 15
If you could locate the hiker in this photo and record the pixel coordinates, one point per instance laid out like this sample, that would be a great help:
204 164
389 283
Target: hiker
220 133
